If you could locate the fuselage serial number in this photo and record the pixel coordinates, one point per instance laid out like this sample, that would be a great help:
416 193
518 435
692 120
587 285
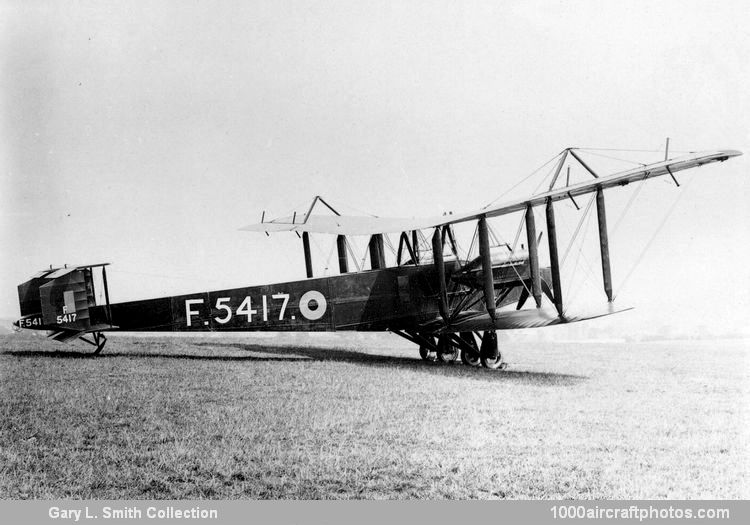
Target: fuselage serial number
312 305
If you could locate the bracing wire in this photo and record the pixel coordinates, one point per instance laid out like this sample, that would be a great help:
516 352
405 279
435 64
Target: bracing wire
526 287
471 245
564 227
424 242
630 202
295 209
330 256
364 256
457 245
322 252
544 179
495 239
637 150
518 232
614 158
353 255
387 241
578 228
653 237
339 206
578 258
527 177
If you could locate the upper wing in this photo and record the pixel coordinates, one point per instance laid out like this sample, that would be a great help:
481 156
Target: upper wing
345 224
360 225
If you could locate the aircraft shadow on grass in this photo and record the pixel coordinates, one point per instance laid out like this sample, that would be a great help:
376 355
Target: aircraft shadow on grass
293 353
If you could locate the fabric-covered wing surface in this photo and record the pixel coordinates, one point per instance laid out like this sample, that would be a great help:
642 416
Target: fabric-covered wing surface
363 225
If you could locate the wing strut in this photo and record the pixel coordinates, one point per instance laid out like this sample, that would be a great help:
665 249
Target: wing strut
415 245
560 164
488 352
536 286
404 241
554 260
308 258
343 259
437 255
586 166
377 252
106 295
601 214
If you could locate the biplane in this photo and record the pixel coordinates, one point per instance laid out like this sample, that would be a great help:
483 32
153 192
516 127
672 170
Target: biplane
446 305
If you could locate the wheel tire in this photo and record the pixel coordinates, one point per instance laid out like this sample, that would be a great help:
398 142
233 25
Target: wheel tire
470 358
447 351
493 364
450 356
426 354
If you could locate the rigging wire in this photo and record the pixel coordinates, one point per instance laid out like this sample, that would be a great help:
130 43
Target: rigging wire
512 251
527 177
577 260
364 256
653 237
340 206
318 249
471 245
327 267
507 260
637 150
565 229
614 158
630 202
292 212
353 255
581 256
456 244
544 179
389 244
578 229
518 232
495 239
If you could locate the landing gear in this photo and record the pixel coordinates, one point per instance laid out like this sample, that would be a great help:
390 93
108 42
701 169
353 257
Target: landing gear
490 354
449 346
99 341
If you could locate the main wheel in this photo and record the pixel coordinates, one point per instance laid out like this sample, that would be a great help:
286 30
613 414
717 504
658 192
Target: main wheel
426 354
447 351
493 364
490 355
470 357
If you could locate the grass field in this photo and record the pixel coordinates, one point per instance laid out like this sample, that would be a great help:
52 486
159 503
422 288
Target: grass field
348 416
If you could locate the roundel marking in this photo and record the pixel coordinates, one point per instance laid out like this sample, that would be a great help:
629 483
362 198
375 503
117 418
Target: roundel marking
317 301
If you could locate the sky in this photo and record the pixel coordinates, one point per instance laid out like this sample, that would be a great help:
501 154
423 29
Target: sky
145 134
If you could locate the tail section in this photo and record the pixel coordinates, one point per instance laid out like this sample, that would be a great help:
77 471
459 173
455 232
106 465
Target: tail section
62 301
